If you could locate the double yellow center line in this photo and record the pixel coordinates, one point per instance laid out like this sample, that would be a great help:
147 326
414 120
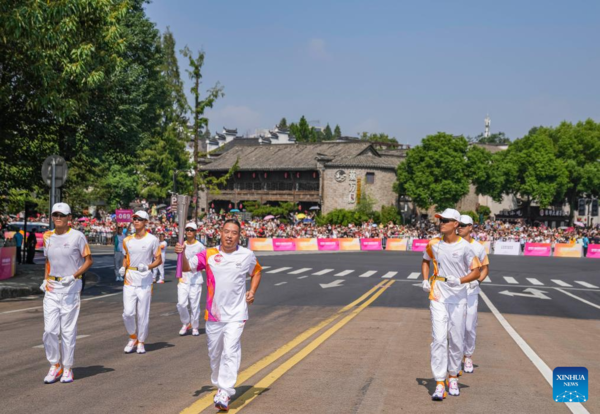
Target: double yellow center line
270 378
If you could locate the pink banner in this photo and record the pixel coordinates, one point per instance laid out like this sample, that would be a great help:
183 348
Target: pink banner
123 216
284 245
328 244
537 249
419 245
370 244
8 257
593 251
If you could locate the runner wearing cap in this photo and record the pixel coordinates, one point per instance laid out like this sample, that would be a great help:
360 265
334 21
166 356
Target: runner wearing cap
142 254
189 288
454 266
464 231
227 267
68 257
159 271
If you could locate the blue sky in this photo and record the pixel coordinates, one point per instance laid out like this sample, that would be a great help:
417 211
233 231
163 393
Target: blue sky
408 69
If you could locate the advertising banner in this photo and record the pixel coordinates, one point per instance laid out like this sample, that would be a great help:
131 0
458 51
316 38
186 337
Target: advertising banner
8 258
307 245
399 245
123 216
487 246
537 249
349 244
370 244
507 248
419 245
593 251
261 245
568 250
284 245
328 244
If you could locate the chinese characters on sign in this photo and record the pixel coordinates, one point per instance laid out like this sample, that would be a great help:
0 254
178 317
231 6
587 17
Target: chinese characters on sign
353 186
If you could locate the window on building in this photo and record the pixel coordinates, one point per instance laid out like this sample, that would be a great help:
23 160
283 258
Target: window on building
370 178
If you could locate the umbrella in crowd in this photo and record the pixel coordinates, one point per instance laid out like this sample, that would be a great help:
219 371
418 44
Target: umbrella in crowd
301 216
84 219
269 217
314 208
307 220
235 210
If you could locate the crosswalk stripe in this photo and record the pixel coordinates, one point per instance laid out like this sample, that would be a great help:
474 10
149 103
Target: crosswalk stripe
389 275
265 267
281 269
280 283
414 275
322 272
488 279
535 281
369 273
297 272
510 280
561 283
302 277
586 284
344 273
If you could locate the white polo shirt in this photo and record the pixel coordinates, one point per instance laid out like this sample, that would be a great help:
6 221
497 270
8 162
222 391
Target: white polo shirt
191 250
137 252
479 250
65 254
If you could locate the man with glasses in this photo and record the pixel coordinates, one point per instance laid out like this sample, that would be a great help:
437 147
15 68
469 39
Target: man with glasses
68 257
189 288
142 254
454 266
227 267
159 271
464 231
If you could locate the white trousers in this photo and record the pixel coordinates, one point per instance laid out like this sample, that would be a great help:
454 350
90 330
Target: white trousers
61 311
118 263
471 324
160 271
448 331
189 294
225 353
137 298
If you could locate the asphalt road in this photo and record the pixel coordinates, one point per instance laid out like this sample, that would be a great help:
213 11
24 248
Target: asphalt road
304 353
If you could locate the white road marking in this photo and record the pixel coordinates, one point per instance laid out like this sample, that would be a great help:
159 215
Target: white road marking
281 269
59 341
534 293
534 281
324 271
414 275
368 273
586 284
265 267
578 298
336 283
561 283
344 273
546 372
510 280
488 279
280 283
302 277
297 272
248 278
389 275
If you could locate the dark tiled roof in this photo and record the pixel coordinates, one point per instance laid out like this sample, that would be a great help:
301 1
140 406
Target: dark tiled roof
230 131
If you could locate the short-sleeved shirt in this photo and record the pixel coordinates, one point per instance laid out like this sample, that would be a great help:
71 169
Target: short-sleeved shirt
163 250
226 282
194 277
450 259
137 252
65 254
479 250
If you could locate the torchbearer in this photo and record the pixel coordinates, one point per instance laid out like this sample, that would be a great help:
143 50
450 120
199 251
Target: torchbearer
189 288
159 271
68 257
227 267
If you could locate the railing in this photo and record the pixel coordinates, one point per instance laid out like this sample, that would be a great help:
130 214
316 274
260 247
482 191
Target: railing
273 186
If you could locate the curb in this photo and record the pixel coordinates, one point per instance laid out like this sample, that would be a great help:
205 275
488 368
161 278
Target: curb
9 292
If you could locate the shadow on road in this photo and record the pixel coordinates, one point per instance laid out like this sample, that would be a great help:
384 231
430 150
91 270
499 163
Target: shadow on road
204 390
158 345
85 372
241 398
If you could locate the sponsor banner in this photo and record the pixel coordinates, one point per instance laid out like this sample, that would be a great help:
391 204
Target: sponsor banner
350 244
284 245
593 251
8 259
396 244
507 248
123 216
487 246
306 244
261 245
568 250
419 245
537 249
328 244
370 244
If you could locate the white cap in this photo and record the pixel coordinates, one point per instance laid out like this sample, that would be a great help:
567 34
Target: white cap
141 214
464 219
449 213
61 208
191 225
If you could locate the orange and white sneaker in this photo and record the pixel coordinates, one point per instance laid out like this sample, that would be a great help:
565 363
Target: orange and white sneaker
161 281
54 374
131 345
140 348
453 387
185 328
468 365
440 392
67 376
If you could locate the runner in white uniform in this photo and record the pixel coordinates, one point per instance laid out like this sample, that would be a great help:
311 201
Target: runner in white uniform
142 254
464 231
454 266
189 288
68 257
227 267
159 271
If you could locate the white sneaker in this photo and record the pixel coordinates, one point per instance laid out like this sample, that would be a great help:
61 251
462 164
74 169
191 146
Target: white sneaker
131 345
67 376
195 332
453 387
468 365
184 329
222 400
140 348
54 374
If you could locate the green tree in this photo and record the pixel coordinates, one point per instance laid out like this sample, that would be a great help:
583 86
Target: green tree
327 133
282 124
337 132
303 131
383 138
497 138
